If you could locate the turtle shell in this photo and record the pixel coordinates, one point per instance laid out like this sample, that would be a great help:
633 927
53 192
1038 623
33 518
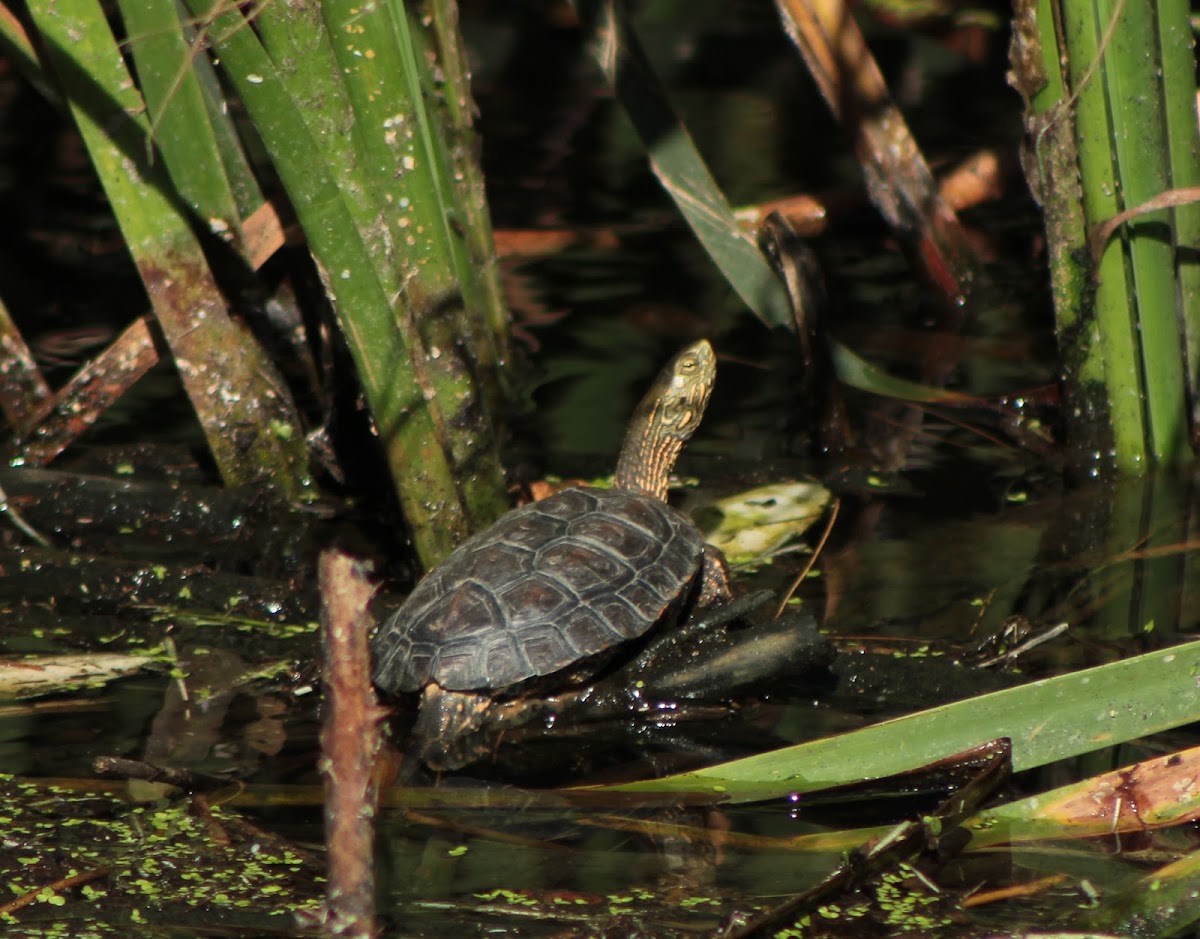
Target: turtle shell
549 584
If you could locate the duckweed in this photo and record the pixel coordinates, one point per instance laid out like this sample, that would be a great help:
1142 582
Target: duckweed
156 861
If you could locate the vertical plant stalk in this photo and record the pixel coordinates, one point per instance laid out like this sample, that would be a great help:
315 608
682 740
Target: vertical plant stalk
1130 330
247 416
440 307
463 148
337 95
350 741
1178 63
1051 165
1115 299
1138 104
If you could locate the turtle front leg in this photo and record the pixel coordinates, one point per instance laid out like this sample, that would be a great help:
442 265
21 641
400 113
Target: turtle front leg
446 734
714 579
457 728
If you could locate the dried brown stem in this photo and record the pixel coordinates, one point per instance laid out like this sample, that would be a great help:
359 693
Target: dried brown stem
897 176
350 741
57 886
187 780
95 387
24 395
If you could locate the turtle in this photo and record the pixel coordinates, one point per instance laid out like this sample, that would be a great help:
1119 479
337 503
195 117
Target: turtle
546 594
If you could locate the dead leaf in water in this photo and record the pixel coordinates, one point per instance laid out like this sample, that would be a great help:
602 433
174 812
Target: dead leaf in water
54 674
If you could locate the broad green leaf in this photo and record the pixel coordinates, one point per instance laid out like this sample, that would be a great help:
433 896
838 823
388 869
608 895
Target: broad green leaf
1046 720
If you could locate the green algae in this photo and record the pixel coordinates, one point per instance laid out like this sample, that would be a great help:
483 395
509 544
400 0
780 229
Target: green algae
164 864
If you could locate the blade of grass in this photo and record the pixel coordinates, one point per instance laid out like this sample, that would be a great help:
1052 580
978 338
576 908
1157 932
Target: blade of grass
1137 101
448 120
197 156
1164 796
1115 305
858 373
247 416
298 80
684 175
291 53
385 66
1157 152
463 145
679 167
1046 721
1177 58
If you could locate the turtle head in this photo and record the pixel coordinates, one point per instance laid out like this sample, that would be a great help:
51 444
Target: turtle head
667 416
676 400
